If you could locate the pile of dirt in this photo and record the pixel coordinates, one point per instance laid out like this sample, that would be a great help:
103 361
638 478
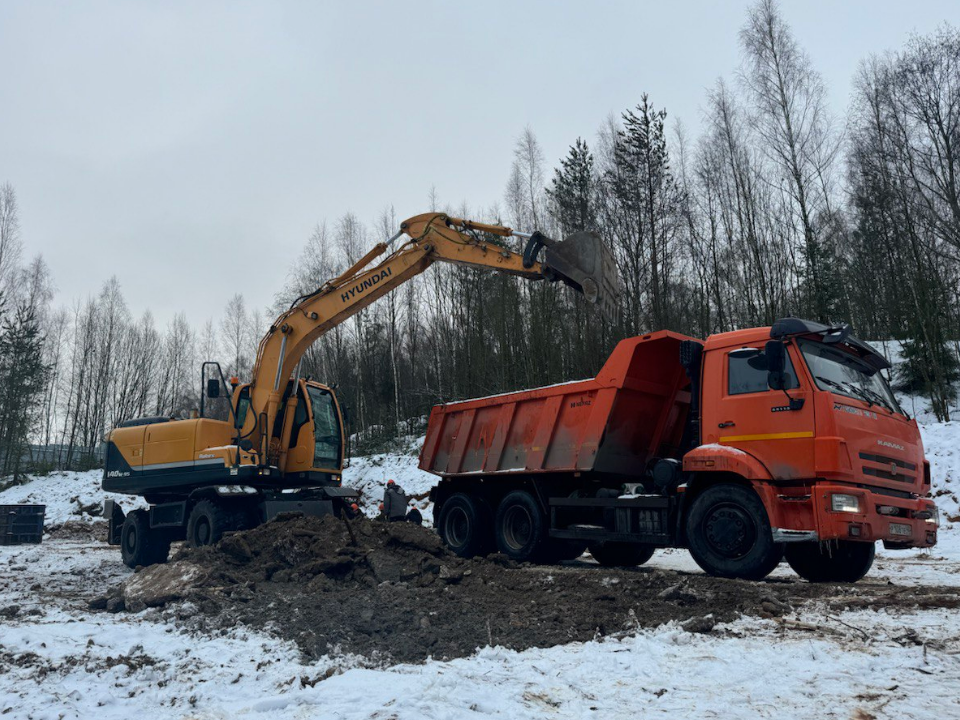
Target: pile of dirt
391 591
77 530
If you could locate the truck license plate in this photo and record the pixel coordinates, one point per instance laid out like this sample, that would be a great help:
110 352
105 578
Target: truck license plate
899 529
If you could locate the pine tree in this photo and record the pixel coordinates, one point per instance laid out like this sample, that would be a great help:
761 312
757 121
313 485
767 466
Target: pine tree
23 377
573 191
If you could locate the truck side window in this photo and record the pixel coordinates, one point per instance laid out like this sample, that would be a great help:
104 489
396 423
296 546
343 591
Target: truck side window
748 374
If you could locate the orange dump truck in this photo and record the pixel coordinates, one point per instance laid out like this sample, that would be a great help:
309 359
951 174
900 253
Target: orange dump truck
746 448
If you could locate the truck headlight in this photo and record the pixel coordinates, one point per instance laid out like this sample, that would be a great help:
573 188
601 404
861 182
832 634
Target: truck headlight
845 503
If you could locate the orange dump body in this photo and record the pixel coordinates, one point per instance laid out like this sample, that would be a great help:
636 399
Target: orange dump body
634 410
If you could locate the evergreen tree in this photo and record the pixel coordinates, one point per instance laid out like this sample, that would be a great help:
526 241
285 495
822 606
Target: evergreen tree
573 191
23 377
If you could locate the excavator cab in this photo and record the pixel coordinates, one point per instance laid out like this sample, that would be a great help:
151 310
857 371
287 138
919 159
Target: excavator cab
316 441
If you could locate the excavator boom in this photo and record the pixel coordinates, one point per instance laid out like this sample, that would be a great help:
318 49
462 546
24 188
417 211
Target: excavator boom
580 261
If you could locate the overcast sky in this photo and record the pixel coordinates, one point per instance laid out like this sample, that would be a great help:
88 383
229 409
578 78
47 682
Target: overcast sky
189 148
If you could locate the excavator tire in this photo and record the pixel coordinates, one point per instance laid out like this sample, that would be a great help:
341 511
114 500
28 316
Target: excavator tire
729 535
464 525
616 554
139 545
210 519
843 561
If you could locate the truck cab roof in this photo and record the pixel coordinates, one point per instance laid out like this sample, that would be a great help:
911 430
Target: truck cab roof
785 328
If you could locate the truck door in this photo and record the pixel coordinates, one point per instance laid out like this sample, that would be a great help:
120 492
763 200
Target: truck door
741 411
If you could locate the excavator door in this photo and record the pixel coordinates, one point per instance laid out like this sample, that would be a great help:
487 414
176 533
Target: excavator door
327 429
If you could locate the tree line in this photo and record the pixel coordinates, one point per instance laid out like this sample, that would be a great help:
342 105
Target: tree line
776 208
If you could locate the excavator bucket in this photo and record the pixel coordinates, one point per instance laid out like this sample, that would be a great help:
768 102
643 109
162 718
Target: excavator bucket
584 263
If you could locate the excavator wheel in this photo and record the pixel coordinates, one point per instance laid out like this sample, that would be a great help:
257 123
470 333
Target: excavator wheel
842 561
729 535
464 525
139 545
210 519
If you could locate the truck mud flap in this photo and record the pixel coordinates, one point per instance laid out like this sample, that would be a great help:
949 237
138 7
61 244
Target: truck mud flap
317 508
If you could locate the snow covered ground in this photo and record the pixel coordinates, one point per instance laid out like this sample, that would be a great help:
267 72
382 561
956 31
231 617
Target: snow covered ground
370 474
60 660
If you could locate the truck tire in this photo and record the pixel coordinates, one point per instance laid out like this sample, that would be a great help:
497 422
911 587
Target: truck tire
209 520
841 561
620 554
464 525
139 545
728 533
520 529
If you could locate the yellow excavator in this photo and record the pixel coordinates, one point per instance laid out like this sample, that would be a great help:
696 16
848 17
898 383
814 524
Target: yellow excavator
282 447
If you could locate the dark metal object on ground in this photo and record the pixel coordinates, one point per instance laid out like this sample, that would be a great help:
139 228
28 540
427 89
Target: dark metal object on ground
21 524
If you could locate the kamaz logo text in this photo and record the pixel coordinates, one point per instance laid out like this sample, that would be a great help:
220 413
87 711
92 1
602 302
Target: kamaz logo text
360 288
891 445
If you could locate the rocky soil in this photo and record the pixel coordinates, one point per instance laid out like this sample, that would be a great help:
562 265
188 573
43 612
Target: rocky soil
392 592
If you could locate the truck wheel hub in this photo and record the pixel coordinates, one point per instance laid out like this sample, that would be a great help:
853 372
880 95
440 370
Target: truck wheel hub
457 527
517 527
730 531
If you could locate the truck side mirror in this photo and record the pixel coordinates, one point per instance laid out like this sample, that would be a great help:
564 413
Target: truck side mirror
213 388
776 355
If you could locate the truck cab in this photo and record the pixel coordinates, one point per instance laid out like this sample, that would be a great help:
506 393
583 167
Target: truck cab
826 443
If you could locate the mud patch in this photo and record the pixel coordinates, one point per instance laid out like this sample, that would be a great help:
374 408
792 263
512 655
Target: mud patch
392 593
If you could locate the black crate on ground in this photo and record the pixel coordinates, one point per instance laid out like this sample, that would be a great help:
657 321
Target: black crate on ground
20 524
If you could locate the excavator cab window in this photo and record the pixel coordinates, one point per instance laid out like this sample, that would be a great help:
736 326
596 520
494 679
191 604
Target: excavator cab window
326 429
243 405
300 418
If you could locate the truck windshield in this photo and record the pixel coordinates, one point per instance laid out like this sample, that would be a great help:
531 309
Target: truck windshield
326 429
840 372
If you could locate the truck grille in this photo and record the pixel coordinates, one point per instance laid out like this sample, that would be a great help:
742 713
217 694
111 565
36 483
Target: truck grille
896 469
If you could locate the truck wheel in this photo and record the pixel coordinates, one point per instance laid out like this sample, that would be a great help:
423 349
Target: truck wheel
138 544
519 528
209 520
729 534
619 554
464 525
843 561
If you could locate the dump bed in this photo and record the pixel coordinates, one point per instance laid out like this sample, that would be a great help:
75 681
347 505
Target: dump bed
635 409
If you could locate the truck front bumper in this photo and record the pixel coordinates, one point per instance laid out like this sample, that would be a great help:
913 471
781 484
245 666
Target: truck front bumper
900 523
